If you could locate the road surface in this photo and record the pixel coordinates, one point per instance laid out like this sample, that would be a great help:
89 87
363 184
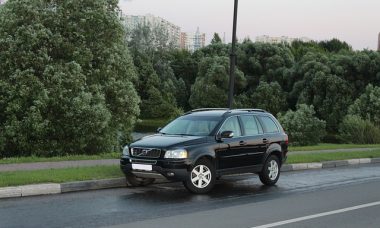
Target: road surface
340 197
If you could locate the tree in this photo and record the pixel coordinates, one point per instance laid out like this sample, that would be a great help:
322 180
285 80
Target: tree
335 45
302 126
264 62
367 106
157 101
216 39
211 86
316 85
65 87
270 97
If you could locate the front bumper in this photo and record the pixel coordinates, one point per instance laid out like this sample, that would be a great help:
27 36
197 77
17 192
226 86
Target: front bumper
170 169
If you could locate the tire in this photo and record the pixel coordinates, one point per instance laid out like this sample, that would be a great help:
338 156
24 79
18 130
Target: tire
204 181
271 171
134 181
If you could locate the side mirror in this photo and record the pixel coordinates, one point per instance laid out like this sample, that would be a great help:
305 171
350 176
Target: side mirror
227 134
224 135
158 129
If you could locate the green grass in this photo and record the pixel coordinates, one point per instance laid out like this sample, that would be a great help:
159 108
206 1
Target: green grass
320 157
58 175
330 146
150 125
14 160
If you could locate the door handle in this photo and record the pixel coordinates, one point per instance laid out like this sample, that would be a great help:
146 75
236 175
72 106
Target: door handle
243 143
265 140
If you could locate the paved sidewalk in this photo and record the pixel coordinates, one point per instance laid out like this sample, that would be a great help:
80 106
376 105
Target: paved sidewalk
87 163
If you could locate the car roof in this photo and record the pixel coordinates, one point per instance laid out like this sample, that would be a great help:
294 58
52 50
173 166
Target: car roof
222 112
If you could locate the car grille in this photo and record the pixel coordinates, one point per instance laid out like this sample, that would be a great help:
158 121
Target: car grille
146 152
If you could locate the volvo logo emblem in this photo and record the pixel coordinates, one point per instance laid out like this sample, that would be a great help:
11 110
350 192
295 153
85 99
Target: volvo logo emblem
144 152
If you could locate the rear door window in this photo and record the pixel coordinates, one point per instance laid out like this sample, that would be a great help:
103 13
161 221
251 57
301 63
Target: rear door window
269 125
250 125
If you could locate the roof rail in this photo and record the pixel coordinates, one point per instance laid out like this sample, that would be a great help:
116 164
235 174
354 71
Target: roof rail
251 110
207 109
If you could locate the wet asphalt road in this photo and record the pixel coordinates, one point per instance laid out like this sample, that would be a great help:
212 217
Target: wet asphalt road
239 201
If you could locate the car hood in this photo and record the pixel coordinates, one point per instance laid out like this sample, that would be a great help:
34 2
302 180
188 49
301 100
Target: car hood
165 141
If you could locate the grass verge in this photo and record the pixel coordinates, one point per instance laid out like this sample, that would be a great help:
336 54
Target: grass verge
58 175
320 157
15 160
331 146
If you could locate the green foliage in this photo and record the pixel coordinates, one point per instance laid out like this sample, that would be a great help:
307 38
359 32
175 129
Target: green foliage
65 87
367 106
270 97
354 129
216 39
211 87
302 126
335 45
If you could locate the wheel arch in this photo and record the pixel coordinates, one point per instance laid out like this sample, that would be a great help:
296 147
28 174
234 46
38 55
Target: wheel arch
274 149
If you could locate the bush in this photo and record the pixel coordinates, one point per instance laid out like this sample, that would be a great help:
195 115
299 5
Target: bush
354 129
65 87
367 106
302 127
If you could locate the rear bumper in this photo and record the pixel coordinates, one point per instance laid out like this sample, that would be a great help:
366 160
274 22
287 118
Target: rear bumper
173 170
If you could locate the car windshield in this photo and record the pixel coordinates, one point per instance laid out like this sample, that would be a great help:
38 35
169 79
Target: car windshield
191 125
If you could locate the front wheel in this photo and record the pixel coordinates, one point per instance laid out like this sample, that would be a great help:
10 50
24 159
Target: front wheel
134 181
201 178
271 171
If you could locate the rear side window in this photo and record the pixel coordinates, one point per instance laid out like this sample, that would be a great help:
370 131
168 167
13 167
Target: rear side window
232 124
250 125
269 125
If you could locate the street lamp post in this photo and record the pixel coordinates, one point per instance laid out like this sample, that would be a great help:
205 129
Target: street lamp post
233 59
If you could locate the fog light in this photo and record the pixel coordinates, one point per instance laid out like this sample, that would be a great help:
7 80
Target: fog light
170 174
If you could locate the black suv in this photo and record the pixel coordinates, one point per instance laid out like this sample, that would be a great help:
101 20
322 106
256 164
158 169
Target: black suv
204 144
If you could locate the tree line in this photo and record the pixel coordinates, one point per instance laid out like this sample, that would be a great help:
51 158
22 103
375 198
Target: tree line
74 80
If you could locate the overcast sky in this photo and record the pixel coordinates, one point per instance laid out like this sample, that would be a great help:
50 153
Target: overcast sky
354 21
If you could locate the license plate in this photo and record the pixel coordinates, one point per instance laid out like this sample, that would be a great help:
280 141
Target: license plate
142 167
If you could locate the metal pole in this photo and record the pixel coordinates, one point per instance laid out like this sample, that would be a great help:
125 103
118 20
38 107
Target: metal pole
233 59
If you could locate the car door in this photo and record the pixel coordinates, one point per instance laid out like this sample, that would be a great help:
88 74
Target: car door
254 140
231 151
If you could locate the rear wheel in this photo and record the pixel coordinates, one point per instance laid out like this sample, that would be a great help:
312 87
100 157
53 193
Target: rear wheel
201 178
134 181
271 171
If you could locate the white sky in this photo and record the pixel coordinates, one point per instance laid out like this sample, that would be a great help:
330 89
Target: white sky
354 21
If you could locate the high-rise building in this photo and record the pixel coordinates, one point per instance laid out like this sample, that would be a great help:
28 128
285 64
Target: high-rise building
192 41
280 40
378 43
174 31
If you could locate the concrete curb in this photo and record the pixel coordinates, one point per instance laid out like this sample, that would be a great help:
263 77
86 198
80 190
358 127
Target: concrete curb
51 188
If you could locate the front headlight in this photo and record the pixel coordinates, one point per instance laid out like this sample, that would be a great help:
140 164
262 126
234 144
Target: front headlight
178 153
126 151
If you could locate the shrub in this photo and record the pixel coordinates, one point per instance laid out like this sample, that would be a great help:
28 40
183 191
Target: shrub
367 106
65 87
354 129
302 127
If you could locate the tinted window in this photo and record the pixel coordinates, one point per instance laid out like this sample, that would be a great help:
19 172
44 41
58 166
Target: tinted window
232 124
269 125
250 125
